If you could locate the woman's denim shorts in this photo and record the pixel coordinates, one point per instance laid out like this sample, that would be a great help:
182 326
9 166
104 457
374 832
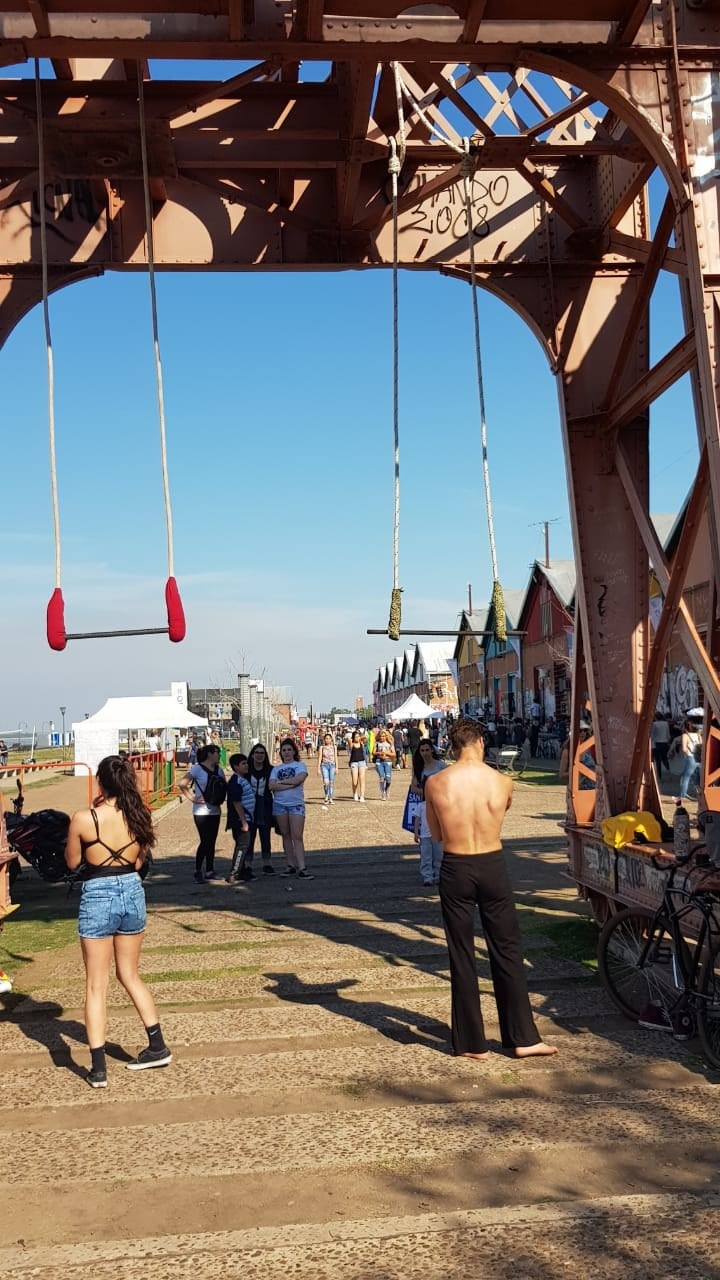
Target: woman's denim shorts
111 905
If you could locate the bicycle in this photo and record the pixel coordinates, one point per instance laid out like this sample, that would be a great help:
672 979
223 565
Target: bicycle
654 973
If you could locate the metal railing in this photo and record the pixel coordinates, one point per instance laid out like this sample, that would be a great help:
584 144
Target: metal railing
63 769
155 775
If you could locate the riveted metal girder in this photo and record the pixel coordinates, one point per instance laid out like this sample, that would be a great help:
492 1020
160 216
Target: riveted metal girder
570 107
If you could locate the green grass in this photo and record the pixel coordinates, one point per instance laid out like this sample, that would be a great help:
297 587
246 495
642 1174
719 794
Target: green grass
28 934
574 939
541 778
201 975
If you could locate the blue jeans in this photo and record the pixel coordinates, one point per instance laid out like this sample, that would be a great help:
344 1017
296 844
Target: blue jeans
690 773
111 905
384 773
328 777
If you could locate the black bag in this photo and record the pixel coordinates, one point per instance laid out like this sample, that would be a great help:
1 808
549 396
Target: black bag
215 790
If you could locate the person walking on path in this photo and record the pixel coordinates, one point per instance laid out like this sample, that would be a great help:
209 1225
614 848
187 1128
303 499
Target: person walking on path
466 807
198 786
660 741
111 841
258 776
287 780
358 767
398 738
240 812
384 759
327 767
426 762
689 750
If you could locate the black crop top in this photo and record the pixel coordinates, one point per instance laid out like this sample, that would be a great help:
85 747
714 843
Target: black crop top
357 755
114 864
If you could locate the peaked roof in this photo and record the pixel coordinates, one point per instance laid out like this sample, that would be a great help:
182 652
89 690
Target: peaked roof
562 578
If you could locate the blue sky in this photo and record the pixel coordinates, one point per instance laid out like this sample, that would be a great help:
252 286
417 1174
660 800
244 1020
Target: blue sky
279 408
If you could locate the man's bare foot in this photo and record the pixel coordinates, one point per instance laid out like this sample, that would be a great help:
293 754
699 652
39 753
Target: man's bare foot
479 1057
539 1050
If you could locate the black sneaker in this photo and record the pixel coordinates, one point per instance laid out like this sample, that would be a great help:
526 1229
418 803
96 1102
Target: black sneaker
96 1078
289 871
268 870
150 1058
199 877
245 874
304 874
653 1018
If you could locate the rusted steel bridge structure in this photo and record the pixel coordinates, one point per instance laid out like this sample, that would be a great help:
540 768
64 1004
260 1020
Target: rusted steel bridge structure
571 108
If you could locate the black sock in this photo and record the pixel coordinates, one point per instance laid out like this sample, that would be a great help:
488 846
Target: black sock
98 1058
155 1037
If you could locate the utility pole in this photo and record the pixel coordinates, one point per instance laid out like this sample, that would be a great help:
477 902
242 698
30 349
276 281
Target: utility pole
469 597
546 529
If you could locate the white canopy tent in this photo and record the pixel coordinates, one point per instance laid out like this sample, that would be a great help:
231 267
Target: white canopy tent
413 708
99 735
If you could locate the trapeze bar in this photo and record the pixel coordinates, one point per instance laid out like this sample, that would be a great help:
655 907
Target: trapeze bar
382 631
106 635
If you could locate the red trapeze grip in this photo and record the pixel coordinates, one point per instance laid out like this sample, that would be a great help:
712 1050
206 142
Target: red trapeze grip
57 638
175 612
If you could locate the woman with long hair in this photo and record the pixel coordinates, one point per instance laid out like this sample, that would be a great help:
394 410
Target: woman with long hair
327 767
258 776
111 842
426 761
287 780
358 766
384 759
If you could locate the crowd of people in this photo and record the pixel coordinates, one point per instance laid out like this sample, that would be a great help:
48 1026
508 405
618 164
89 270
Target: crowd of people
457 826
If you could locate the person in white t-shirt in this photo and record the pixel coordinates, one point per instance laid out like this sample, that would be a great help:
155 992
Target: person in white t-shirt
206 816
286 782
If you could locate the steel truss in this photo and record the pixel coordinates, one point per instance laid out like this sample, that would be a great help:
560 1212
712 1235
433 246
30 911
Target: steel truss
570 117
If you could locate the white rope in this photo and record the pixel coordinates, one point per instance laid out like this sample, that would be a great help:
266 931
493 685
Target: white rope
156 339
430 124
395 163
46 319
467 180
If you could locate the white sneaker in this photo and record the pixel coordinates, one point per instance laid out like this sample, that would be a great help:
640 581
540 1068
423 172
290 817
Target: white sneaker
362 799
324 808
356 797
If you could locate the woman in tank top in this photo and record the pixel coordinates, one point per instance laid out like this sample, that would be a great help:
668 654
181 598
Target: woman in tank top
110 842
327 766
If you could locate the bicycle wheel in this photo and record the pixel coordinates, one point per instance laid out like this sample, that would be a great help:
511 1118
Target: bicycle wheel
621 946
708 1009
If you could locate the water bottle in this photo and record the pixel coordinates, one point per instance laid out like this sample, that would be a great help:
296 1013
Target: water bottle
681 830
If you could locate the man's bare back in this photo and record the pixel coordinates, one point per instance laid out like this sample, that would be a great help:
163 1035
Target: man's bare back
466 805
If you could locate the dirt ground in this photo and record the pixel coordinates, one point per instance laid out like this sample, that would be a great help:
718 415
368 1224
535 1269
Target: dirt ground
313 1122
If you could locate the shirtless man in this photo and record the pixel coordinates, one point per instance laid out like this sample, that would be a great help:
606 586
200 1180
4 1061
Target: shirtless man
465 808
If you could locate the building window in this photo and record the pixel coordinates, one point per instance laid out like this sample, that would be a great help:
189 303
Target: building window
546 618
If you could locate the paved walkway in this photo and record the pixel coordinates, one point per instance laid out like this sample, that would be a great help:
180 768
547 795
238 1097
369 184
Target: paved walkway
313 1123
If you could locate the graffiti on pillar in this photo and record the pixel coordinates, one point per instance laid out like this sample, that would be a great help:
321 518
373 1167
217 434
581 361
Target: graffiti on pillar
72 209
444 212
679 693
66 203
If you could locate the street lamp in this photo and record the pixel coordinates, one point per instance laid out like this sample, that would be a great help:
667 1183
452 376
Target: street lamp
62 713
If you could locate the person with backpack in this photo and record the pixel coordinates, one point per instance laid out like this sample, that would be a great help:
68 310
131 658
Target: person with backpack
204 784
240 813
